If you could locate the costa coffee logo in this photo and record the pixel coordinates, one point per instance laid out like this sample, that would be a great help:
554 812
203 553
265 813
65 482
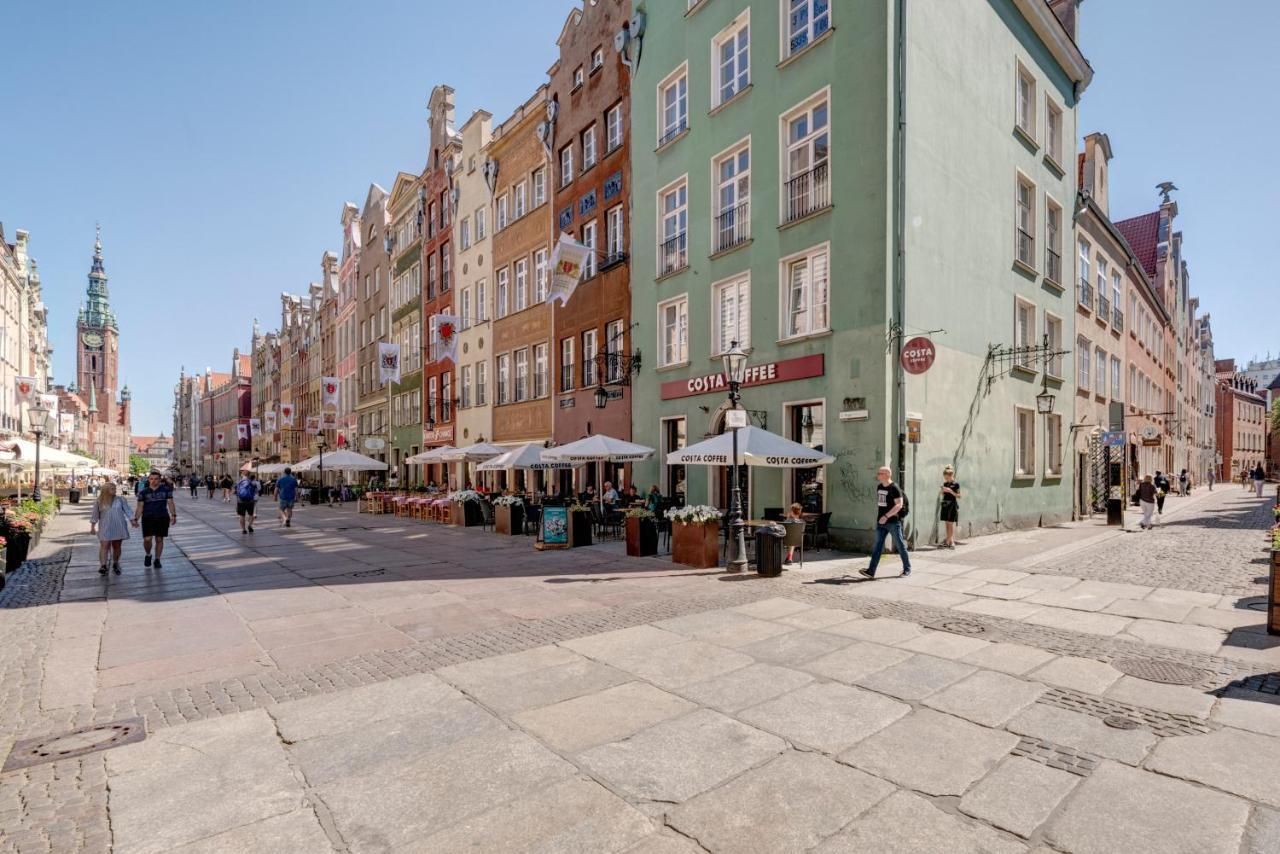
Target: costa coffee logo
918 355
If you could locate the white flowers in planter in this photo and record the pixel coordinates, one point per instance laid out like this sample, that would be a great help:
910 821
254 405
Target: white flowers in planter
465 495
507 500
694 514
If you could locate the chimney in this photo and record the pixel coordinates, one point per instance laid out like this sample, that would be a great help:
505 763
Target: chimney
1067 12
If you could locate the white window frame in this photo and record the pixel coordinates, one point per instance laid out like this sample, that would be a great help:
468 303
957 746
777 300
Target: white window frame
718 186
680 347
812 30
1052 237
540 280
1024 104
597 58
482 383
1084 370
1117 393
808 143
521 195
1053 445
502 212
615 340
739 63
1024 335
670 127
521 292
482 303
590 346
1100 370
591 240
464 302
521 389
1022 453
464 395
1024 219
678 217
503 379
566 165
480 223
578 77
822 250
539 180
464 233
615 233
589 147
501 293
613 127
1053 134
740 284
1053 326
566 360
540 369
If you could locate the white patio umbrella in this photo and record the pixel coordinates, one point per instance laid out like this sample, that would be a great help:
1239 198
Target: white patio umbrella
598 448
342 460
756 447
477 453
431 456
527 456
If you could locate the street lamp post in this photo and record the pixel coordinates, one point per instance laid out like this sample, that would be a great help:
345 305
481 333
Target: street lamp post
735 365
38 420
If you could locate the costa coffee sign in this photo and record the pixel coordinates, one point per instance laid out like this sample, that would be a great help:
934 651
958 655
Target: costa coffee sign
770 372
918 355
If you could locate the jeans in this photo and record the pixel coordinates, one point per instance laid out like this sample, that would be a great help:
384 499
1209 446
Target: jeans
892 528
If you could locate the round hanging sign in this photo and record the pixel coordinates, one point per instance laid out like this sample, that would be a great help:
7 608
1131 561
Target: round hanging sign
918 355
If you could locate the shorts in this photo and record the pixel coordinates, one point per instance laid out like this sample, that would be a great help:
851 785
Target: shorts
286 503
950 513
245 508
155 526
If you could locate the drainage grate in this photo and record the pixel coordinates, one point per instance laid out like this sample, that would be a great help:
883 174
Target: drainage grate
51 748
957 627
365 573
1120 722
1165 672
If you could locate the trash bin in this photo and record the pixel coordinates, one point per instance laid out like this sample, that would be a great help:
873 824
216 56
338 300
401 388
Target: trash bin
73 496
314 494
769 550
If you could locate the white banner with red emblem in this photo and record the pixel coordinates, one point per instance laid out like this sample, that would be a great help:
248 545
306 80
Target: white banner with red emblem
242 432
286 414
66 423
388 363
25 388
255 427
271 420
568 259
444 337
313 424
220 439
329 391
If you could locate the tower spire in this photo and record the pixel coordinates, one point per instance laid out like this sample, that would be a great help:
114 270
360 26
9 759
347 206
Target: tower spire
97 311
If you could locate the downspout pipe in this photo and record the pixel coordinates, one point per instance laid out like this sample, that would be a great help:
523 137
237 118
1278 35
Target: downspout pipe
900 254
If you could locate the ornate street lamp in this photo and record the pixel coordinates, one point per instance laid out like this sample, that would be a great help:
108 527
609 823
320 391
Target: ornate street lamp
735 368
601 397
38 423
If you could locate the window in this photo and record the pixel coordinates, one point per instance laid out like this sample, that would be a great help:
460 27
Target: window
1053 449
588 148
807 187
733 197
566 364
1053 329
614 235
1133 385
433 398
445 207
597 59
539 186
480 223
731 315
1052 241
732 59
522 200
566 165
522 285
589 374
1104 304
1115 379
805 294
464 398
464 232
1117 302
673 105
1085 296
1025 198
589 241
1100 372
806 21
614 339
482 375
1025 116
613 127
540 370
502 212
577 77
1083 374
431 275
540 276
673 332
674 204
1024 333
504 377
446 396
501 296
1025 461
446 280
482 304
522 375
464 304
1053 131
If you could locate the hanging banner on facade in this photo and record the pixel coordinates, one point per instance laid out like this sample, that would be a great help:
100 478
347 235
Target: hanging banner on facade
26 389
388 363
567 261
444 337
286 414
50 402
329 391
255 427
220 439
204 442
313 424
242 432
66 423
271 420
329 420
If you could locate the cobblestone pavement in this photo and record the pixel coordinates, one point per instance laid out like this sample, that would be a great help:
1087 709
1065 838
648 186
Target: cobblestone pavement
373 684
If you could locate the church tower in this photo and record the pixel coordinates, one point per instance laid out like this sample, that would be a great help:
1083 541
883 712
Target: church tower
98 343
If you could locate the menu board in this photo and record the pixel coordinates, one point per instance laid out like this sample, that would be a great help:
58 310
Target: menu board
555 527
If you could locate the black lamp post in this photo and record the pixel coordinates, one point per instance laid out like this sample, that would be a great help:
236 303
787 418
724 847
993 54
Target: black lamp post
38 421
735 366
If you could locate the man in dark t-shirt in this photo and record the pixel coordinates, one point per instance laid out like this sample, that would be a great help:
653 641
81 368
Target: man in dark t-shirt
156 510
889 505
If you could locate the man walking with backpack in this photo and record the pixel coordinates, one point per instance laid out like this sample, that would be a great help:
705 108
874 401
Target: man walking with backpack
891 509
246 501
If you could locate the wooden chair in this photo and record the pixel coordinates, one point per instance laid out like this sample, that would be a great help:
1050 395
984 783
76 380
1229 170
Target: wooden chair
796 532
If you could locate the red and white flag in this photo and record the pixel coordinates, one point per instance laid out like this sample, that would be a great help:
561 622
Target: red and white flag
26 389
286 414
255 426
329 391
220 439
242 432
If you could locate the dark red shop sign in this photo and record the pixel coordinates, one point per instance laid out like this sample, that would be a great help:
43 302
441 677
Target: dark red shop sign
770 372
918 355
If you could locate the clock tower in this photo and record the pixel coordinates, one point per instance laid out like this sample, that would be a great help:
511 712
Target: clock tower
98 343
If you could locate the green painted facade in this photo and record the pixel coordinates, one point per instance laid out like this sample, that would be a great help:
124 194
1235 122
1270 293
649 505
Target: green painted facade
960 156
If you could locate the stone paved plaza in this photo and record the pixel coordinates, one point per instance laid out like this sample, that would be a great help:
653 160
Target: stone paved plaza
369 683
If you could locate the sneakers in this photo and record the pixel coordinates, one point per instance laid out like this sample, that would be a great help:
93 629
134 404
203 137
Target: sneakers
115 569
905 573
250 529
157 563
146 561
102 570
866 573
288 523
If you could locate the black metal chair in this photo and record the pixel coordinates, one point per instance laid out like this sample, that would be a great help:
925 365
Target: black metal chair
532 517
486 514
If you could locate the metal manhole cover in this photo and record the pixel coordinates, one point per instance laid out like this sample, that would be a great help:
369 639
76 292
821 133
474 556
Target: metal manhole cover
365 573
958 627
1120 722
1166 672
51 748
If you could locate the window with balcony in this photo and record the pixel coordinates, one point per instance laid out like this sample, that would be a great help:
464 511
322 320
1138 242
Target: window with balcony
731 314
807 181
731 53
566 364
806 294
1085 296
1052 241
673 106
732 225
673 331
1117 302
806 21
614 345
673 203
615 236
1025 212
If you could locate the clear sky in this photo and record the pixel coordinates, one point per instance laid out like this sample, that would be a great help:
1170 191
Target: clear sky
216 143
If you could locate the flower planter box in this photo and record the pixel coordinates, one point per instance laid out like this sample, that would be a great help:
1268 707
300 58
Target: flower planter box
642 537
1273 595
580 525
697 546
466 514
508 519
16 548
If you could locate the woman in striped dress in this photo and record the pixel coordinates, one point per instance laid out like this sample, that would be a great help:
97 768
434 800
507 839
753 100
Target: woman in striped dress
110 520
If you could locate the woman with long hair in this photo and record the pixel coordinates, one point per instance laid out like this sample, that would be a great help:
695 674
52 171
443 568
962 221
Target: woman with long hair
110 520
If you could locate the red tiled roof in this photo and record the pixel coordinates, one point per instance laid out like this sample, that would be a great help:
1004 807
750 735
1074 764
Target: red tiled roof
1142 233
246 366
142 444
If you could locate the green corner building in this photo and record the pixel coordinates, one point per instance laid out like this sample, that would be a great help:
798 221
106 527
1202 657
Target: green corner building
824 182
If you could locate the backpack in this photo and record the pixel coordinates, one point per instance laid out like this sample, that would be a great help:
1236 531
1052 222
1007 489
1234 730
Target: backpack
906 504
245 491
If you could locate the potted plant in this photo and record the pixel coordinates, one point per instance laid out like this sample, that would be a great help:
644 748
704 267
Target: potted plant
580 524
465 508
1273 597
642 533
17 534
508 514
695 535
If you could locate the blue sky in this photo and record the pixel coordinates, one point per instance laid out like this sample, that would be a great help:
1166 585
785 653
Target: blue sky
216 143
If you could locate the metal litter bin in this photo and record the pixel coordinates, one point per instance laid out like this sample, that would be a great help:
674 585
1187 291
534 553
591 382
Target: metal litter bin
73 496
769 550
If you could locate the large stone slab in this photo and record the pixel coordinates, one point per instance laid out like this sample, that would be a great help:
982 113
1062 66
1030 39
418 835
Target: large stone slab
607 715
796 648
818 618
1177 635
916 678
790 804
944 644
297 832
885 630
931 752
749 686
359 708
608 645
1078 674
854 662
1078 621
1019 795
1178 699
542 687
1244 763
680 758
986 697
190 782
1118 808
1262 836
1012 658
772 609
1083 732
827 716
682 663
905 823
573 815
1251 710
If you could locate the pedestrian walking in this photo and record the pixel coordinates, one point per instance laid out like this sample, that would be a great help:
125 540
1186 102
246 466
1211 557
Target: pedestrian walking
246 501
1212 478
1147 499
1244 477
1183 481
1162 489
156 511
286 493
109 519
1259 479
227 485
891 509
950 513
194 483
209 484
